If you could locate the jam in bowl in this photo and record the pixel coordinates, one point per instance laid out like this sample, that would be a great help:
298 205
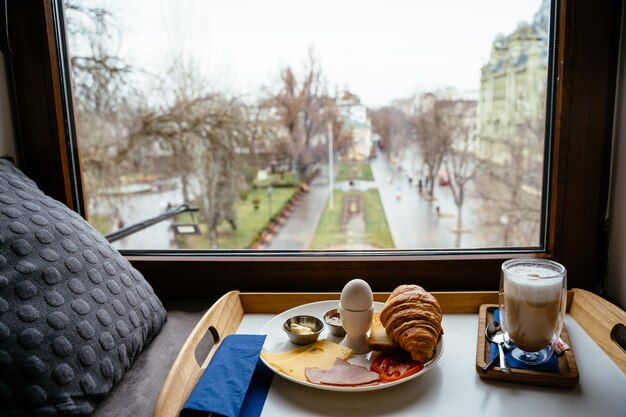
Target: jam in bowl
333 321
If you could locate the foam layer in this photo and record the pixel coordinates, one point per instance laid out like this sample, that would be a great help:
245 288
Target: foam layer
532 283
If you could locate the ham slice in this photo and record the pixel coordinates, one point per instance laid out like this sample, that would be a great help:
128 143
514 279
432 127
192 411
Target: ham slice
342 373
315 375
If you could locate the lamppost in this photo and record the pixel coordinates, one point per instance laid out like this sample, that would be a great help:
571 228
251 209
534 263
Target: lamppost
269 198
504 221
331 169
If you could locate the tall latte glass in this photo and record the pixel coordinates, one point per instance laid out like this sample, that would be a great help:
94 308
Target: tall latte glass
532 307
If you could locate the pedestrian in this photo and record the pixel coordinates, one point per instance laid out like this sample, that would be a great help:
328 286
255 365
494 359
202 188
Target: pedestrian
437 209
419 185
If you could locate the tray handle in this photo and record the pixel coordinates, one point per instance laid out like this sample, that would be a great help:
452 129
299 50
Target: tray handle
601 319
222 319
618 335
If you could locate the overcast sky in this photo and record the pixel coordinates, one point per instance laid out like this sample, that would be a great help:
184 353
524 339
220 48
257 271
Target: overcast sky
380 50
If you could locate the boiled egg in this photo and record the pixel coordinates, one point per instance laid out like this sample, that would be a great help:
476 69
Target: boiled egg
356 296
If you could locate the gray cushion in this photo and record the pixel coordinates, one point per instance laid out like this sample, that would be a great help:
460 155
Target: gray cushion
74 314
137 392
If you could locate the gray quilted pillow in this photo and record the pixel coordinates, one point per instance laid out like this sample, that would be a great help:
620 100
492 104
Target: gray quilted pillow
74 314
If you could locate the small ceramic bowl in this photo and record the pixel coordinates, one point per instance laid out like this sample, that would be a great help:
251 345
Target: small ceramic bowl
333 321
316 325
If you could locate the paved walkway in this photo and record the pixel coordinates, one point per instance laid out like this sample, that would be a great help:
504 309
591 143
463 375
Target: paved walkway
299 229
412 218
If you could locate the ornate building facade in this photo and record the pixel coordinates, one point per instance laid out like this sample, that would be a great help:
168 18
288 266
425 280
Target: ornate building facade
511 107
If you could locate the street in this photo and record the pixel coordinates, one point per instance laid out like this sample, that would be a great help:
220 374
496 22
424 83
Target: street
412 219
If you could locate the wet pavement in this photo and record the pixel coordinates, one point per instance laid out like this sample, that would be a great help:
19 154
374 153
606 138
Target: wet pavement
412 217
298 231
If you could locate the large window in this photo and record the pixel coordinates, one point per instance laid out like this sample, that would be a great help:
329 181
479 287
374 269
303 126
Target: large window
314 126
573 179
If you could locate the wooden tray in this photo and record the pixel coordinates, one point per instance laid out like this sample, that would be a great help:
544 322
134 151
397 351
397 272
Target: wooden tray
594 314
566 377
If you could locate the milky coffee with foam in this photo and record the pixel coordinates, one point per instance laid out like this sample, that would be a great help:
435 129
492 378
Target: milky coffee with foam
533 304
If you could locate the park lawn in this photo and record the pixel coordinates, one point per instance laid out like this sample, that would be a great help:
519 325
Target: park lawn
328 232
278 179
355 171
377 232
249 221
376 228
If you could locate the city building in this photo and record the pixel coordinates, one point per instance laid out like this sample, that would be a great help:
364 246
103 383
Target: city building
355 119
511 107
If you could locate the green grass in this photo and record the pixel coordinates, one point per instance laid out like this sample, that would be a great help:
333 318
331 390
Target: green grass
286 179
377 232
249 221
100 223
376 227
328 231
355 171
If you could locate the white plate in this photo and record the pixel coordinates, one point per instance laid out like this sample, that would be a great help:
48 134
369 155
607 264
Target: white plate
277 342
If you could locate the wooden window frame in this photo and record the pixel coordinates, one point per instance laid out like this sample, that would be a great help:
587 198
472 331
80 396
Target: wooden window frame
588 45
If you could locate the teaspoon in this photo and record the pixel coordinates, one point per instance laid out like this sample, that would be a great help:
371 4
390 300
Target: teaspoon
494 333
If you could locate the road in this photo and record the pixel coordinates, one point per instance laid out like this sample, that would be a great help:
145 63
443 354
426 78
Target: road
299 229
412 218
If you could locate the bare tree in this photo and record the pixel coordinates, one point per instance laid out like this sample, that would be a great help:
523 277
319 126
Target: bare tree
434 135
104 97
206 135
508 215
99 74
305 108
394 129
202 134
342 136
219 160
510 193
461 164
268 144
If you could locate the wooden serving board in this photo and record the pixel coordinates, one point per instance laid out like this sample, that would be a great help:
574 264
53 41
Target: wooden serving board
596 316
566 377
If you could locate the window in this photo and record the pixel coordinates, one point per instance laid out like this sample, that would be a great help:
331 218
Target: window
285 136
581 145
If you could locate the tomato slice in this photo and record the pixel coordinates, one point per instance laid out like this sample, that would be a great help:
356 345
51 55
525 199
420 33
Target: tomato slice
394 366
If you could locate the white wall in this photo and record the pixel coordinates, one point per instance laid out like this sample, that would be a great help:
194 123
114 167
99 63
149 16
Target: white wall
7 142
616 279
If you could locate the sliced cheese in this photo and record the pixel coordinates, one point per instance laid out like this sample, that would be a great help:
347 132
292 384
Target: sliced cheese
274 357
321 354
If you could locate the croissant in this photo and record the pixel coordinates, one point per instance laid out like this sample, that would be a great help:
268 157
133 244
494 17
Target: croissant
412 317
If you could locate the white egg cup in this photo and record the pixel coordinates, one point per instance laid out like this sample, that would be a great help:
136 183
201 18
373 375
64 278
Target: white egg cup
356 325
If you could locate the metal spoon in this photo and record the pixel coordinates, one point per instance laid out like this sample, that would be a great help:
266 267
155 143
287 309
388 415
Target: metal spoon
494 333
495 357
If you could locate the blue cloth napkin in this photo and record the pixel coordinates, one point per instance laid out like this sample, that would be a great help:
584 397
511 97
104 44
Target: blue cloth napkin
235 383
551 365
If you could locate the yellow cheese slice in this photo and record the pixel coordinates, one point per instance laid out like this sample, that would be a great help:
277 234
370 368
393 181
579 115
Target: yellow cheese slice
321 354
278 357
